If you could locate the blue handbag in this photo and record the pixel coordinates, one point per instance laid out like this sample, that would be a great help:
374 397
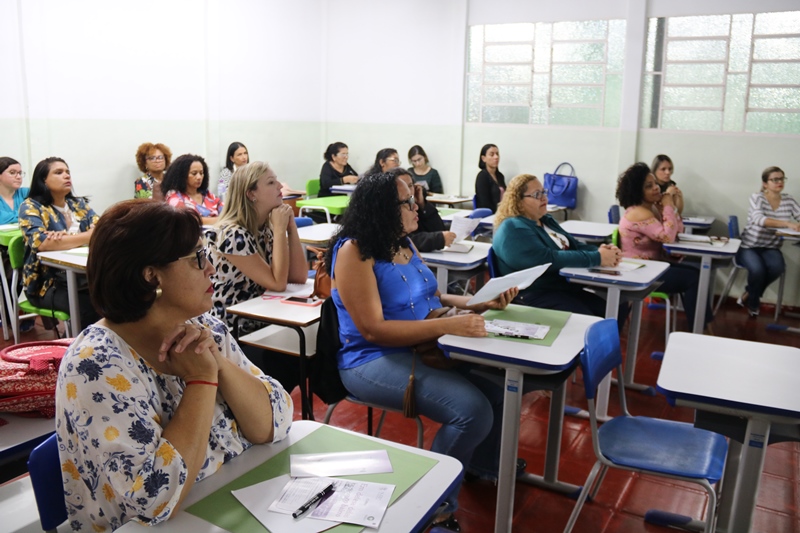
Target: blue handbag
563 188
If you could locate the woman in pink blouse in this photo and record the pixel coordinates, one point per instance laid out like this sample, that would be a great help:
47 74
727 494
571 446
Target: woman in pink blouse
186 185
650 220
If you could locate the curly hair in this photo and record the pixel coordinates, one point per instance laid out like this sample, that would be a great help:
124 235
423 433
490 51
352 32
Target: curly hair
511 204
144 150
630 185
178 172
372 219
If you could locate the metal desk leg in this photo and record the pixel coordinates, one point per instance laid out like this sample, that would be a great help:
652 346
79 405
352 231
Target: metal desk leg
9 303
748 477
74 307
441 279
728 483
509 440
306 398
702 295
632 349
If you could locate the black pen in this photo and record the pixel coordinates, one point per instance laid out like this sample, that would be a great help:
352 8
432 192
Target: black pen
314 499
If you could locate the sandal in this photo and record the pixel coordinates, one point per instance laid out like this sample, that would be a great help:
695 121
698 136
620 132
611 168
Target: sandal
450 524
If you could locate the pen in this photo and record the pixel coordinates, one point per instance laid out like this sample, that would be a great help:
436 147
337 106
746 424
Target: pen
314 499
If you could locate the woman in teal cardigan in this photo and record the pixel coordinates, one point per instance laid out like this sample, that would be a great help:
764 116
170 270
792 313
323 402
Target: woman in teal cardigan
526 236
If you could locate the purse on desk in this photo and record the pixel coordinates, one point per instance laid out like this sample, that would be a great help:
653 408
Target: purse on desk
322 281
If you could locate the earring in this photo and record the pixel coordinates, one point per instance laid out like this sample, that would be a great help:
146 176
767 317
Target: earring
158 293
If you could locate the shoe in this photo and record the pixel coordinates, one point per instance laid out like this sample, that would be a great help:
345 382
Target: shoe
450 524
752 312
26 325
742 300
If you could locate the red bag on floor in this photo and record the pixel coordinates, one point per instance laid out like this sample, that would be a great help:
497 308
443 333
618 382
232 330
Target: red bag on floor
28 375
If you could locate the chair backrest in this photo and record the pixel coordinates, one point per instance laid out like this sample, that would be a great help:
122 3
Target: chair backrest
491 260
601 354
615 237
733 227
302 222
475 201
482 212
325 380
312 187
48 487
16 252
613 214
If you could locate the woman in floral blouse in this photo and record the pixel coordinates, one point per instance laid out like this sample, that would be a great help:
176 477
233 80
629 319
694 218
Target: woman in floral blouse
152 159
186 185
51 219
151 400
650 220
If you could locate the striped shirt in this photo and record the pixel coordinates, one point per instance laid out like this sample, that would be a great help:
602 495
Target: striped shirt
755 234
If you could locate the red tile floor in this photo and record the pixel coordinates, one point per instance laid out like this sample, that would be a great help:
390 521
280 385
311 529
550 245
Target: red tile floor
624 497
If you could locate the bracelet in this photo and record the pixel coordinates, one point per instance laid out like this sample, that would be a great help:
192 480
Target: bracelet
199 382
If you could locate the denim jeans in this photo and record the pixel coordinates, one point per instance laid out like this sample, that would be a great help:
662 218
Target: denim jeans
468 406
764 265
684 279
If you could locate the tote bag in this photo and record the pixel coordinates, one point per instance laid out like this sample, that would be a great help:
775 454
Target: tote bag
563 187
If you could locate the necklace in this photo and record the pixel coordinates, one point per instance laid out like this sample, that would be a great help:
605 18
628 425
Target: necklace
408 286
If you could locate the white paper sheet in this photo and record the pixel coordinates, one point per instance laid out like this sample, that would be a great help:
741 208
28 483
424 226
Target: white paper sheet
520 330
623 266
463 227
497 286
340 463
302 290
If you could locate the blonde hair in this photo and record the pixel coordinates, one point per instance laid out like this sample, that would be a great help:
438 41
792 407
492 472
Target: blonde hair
238 209
511 204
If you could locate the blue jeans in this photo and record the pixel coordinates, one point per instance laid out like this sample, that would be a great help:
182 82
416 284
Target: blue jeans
468 406
764 265
684 279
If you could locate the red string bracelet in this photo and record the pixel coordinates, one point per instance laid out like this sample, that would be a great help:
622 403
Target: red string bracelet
198 382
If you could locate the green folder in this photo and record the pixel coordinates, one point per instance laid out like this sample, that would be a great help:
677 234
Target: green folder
223 510
531 315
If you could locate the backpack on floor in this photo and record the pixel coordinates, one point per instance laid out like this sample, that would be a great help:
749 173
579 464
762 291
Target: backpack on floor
28 375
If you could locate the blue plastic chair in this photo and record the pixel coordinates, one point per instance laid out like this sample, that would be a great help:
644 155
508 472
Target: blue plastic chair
613 214
491 260
475 201
302 222
48 487
482 212
665 448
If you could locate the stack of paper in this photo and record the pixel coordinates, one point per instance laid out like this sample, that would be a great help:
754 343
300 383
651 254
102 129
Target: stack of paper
702 239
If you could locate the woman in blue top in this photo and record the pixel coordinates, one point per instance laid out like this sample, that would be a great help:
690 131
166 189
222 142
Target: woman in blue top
383 292
11 189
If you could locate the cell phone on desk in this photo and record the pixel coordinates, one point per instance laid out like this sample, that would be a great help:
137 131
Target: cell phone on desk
297 300
604 271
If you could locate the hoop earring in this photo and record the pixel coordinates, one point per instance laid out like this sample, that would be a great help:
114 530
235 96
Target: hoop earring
158 293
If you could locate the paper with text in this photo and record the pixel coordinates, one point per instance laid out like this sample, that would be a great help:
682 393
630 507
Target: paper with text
497 286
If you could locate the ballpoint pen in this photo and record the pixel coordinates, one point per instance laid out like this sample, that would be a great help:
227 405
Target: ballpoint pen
314 499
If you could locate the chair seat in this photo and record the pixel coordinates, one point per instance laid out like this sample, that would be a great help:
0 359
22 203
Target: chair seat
664 446
29 309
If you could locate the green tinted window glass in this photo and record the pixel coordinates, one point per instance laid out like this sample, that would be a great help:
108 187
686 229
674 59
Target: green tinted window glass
778 48
507 94
576 116
576 95
710 26
583 74
649 60
474 98
775 97
506 114
508 32
695 73
613 101
777 23
775 73
647 102
697 50
616 44
541 49
759 122
678 119
741 38
574 31
735 92
476 48
577 52
507 74
692 97
509 53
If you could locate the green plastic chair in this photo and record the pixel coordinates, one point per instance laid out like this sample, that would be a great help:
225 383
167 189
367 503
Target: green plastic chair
16 255
312 188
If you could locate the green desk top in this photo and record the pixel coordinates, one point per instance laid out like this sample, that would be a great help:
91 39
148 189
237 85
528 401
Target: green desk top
531 315
335 204
8 234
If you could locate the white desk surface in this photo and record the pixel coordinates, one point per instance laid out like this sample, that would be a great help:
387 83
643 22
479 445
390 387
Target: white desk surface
640 278
346 188
733 372
273 310
458 213
583 228
317 233
73 259
447 199
400 517
459 261
698 221
530 358
20 430
700 248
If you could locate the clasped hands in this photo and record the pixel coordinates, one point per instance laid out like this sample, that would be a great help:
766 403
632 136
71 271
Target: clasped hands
610 255
190 352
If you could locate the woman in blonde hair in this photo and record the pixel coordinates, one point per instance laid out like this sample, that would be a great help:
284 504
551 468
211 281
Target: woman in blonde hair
526 236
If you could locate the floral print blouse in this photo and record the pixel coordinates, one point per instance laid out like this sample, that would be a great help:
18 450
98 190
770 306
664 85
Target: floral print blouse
645 239
34 220
111 409
147 187
224 180
210 207
231 286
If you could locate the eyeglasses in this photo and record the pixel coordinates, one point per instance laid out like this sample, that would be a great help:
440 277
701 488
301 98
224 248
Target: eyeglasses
155 158
13 173
410 202
778 180
201 257
395 159
342 154
537 195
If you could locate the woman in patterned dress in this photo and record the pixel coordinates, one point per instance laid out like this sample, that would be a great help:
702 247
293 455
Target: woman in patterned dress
153 160
156 395
186 185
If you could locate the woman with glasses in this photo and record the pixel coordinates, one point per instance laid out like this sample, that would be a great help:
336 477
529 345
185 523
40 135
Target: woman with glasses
430 234
422 171
186 185
770 210
383 292
153 160
526 236
335 170
157 395
52 219
386 159
11 189
662 170
650 220
237 156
